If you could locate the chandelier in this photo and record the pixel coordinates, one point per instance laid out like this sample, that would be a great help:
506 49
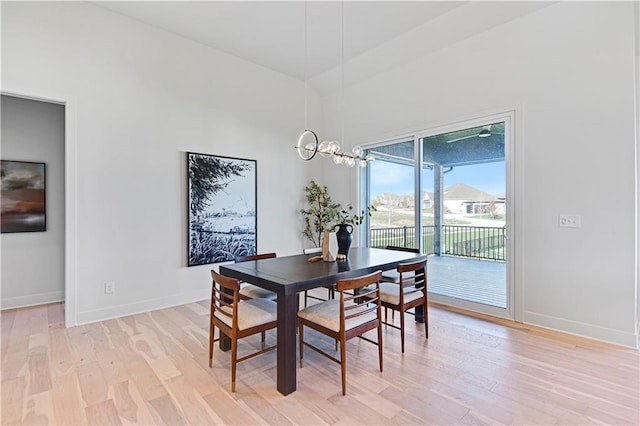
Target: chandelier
308 145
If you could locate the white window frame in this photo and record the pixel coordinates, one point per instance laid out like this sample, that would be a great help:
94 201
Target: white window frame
508 118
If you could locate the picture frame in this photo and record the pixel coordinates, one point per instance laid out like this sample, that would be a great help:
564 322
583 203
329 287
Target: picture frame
23 200
221 208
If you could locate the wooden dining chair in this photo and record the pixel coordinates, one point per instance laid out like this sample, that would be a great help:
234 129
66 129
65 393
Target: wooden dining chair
393 276
250 291
409 293
350 316
237 319
330 288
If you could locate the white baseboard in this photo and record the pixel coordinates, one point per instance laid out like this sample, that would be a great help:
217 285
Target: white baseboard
31 300
112 312
582 329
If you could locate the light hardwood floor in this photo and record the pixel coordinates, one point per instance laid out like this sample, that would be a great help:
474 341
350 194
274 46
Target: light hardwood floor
152 368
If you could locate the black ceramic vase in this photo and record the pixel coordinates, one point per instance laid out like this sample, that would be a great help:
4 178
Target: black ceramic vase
343 236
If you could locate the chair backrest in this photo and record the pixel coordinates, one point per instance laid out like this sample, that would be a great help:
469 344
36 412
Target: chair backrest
363 302
398 248
419 277
241 259
224 296
358 282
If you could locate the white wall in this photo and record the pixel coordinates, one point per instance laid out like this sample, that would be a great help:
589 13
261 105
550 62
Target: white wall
567 71
33 262
637 37
142 98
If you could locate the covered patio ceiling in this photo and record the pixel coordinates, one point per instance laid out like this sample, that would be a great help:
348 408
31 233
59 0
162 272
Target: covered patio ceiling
483 144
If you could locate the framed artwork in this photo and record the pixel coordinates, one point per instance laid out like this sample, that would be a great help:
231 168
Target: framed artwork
222 205
23 200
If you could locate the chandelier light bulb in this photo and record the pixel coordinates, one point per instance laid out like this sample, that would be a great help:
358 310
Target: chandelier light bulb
357 151
323 148
338 159
333 147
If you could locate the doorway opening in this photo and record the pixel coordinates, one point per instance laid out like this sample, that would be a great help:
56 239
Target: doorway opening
37 129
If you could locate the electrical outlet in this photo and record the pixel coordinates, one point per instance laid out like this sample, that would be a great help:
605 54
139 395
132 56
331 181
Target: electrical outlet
109 287
569 221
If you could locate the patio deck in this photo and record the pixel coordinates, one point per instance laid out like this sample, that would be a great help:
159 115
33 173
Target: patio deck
481 281
471 279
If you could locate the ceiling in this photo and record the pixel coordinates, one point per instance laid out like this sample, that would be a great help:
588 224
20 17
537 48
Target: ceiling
475 145
378 35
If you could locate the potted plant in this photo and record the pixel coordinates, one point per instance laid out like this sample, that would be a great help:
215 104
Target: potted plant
345 222
323 216
319 216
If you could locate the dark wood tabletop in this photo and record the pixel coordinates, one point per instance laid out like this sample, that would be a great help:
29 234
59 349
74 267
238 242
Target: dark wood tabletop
292 274
286 276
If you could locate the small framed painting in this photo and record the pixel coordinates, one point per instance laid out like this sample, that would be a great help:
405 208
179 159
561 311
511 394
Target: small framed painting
222 205
23 197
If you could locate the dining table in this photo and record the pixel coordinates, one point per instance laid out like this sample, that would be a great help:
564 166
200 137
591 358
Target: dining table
289 275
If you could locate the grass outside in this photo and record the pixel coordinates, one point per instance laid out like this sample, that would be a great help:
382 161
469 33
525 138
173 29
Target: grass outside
382 219
500 217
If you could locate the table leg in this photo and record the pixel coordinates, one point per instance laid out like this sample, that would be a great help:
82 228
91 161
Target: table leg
225 341
419 311
287 320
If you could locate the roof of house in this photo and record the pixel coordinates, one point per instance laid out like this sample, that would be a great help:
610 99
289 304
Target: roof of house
461 191
389 196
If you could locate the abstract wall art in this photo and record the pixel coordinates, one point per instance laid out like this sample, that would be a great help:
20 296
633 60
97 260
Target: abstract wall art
23 198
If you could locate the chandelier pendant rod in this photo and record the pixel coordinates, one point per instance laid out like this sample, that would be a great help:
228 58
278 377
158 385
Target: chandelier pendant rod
308 145
306 62
342 62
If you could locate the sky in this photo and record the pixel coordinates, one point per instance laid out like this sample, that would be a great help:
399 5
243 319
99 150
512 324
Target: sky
239 196
396 178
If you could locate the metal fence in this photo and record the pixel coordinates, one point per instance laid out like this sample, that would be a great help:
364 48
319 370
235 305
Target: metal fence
480 242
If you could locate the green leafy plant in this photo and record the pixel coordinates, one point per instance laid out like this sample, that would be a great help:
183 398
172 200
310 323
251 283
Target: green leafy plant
346 217
323 214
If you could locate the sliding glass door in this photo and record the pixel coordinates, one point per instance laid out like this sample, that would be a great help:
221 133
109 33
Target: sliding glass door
445 191
391 180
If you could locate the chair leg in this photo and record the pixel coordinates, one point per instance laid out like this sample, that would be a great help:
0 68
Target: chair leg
425 317
212 330
234 357
300 328
380 345
305 298
263 336
401 312
343 364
